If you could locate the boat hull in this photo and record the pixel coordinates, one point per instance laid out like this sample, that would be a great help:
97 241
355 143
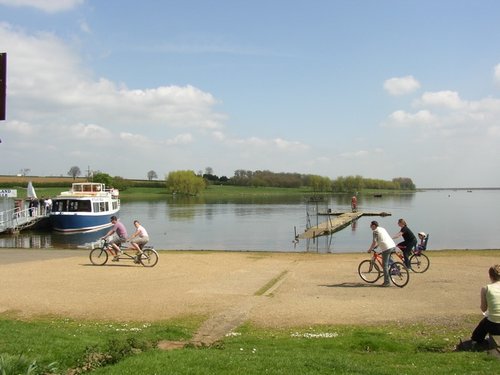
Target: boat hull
78 222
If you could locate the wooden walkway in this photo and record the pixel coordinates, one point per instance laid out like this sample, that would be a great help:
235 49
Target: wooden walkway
332 225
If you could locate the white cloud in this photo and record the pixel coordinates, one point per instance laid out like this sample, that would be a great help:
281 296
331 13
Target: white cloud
20 127
355 154
496 73
49 76
443 99
402 118
91 132
288 145
84 27
49 6
180 139
401 85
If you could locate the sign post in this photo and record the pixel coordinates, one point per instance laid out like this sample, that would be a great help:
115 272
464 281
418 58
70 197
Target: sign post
3 85
8 193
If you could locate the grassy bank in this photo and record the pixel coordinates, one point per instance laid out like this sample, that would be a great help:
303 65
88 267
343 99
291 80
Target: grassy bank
211 192
130 348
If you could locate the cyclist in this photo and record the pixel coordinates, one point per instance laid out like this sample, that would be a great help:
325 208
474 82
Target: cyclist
383 242
138 239
115 237
409 241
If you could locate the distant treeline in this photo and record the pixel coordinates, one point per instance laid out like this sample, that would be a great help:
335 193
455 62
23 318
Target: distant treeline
317 183
241 178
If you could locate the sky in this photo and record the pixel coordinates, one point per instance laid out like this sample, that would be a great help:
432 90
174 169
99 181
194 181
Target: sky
380 89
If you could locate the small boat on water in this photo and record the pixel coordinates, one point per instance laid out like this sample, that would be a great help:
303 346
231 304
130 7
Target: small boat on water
87 207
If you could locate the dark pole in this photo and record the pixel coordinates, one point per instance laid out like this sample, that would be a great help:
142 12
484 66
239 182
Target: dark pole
3 84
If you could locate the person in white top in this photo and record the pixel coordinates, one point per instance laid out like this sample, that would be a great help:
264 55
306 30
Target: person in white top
382 243
490 306
139 238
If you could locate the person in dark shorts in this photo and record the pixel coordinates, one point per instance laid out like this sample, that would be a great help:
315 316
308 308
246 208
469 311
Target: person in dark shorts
409 241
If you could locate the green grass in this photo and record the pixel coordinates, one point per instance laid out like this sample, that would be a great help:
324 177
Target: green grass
75 344
129 348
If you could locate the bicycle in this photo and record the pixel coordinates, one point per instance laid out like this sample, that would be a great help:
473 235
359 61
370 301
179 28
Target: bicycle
371 270
419 262
99 255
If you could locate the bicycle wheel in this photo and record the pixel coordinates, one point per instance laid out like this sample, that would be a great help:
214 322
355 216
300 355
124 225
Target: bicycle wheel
369 271
419 263
399 274
149 258
98 256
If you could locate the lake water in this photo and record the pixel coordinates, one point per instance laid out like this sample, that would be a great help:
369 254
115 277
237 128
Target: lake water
454 219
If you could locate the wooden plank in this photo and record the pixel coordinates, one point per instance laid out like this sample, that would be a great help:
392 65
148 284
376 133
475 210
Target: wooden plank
331 225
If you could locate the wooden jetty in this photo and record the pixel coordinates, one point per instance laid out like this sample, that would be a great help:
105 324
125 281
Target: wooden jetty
332 225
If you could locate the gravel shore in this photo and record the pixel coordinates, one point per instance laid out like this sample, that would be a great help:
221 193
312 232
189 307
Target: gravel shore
269 289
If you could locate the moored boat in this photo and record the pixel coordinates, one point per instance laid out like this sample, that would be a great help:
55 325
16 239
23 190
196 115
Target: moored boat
88 206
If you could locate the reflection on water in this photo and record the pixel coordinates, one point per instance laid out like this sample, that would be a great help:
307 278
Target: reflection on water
455 219
27 240
46 239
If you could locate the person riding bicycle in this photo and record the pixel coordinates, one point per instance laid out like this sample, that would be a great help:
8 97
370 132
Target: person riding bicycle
383 242
409 241
115 237
138 239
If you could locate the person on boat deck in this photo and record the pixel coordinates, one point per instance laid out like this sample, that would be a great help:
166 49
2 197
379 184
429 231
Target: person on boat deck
139 238
409 240
116 236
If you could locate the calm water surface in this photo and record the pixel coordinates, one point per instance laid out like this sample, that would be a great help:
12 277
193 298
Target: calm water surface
454 219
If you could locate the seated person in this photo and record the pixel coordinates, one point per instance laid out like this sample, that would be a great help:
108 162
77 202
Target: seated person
490 306
422 245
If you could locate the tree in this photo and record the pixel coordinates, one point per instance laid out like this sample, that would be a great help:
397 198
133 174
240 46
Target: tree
320 183
102 178
74 172
185 182
152 175
25 171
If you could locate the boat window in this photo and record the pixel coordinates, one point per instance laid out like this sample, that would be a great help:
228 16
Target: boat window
79 206
59 205
96 206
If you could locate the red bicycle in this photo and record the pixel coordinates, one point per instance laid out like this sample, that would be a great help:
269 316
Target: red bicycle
370 270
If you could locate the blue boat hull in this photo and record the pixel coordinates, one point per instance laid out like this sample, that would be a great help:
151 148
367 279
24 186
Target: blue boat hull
79 222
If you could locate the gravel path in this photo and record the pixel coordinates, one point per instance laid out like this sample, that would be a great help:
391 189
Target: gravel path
269 289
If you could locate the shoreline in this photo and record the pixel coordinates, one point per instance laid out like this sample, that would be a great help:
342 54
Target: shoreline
266 288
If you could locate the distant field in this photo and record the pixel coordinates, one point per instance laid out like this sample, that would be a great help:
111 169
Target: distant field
36 179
